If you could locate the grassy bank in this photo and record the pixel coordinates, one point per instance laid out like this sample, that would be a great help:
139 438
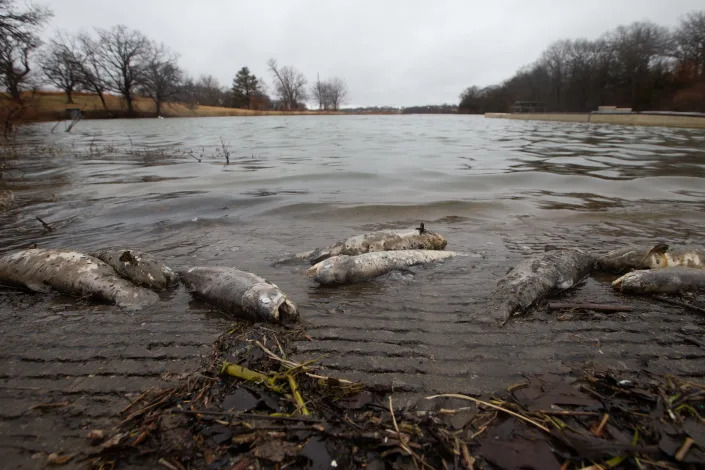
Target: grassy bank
52 106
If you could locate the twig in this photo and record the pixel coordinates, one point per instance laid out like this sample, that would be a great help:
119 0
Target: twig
286 362
680 455
567 413
226 152
590 306
496 407
601 426
325 377
235 414
467 458
146 408
297 394
134 402
40 406
402 439
47 227
168 464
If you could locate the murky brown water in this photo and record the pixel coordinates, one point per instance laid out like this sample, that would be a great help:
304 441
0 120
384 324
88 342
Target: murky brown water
498 189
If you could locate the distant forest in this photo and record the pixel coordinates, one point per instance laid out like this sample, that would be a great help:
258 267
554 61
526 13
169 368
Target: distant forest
642 66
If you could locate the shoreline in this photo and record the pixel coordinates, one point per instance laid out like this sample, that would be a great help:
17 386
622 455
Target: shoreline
634 119
46 106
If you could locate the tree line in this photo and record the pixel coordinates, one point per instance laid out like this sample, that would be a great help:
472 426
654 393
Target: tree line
642 66
126 62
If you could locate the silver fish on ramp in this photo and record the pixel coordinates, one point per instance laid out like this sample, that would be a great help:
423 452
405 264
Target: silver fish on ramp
240 293
344 269
73 273
536 277
140 268
661 281
382 240
659 255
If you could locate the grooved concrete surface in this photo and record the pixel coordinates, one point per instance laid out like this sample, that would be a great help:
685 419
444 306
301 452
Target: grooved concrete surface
92 361
437 342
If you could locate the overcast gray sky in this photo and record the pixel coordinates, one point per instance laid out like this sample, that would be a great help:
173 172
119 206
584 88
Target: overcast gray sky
396 52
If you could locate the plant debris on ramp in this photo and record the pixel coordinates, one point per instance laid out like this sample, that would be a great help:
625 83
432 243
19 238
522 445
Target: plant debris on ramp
275 412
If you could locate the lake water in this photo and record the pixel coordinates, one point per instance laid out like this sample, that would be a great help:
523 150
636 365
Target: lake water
498 189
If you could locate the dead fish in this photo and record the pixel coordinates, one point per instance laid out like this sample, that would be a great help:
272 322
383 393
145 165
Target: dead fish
382 240
660 255
661 281
240 293
344 269
536 277
73 273
140 268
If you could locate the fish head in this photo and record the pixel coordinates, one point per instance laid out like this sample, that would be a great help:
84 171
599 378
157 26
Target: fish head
326 272
625 259
628 281
436 240
269 303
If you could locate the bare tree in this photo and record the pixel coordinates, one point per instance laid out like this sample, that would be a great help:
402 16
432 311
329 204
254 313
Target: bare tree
91 71
123 53
336 92
61 64
641 51
318 92
18 39
690 43
290 84
209 92
162 76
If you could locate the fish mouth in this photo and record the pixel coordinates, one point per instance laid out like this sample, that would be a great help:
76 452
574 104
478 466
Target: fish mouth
311 272
617 283
269 303
278 307
324 271
287 311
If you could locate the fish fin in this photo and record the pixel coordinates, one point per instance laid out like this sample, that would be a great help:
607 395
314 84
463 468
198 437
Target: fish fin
659 248
128 257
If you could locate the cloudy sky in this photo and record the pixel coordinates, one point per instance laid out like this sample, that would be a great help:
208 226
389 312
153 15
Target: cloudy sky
390 52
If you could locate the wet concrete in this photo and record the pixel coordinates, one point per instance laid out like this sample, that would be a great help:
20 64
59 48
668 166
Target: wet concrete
90 360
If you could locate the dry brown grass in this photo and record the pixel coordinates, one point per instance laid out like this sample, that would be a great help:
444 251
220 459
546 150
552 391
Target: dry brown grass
50 106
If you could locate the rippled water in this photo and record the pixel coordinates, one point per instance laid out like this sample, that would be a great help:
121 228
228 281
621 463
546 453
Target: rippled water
498 189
